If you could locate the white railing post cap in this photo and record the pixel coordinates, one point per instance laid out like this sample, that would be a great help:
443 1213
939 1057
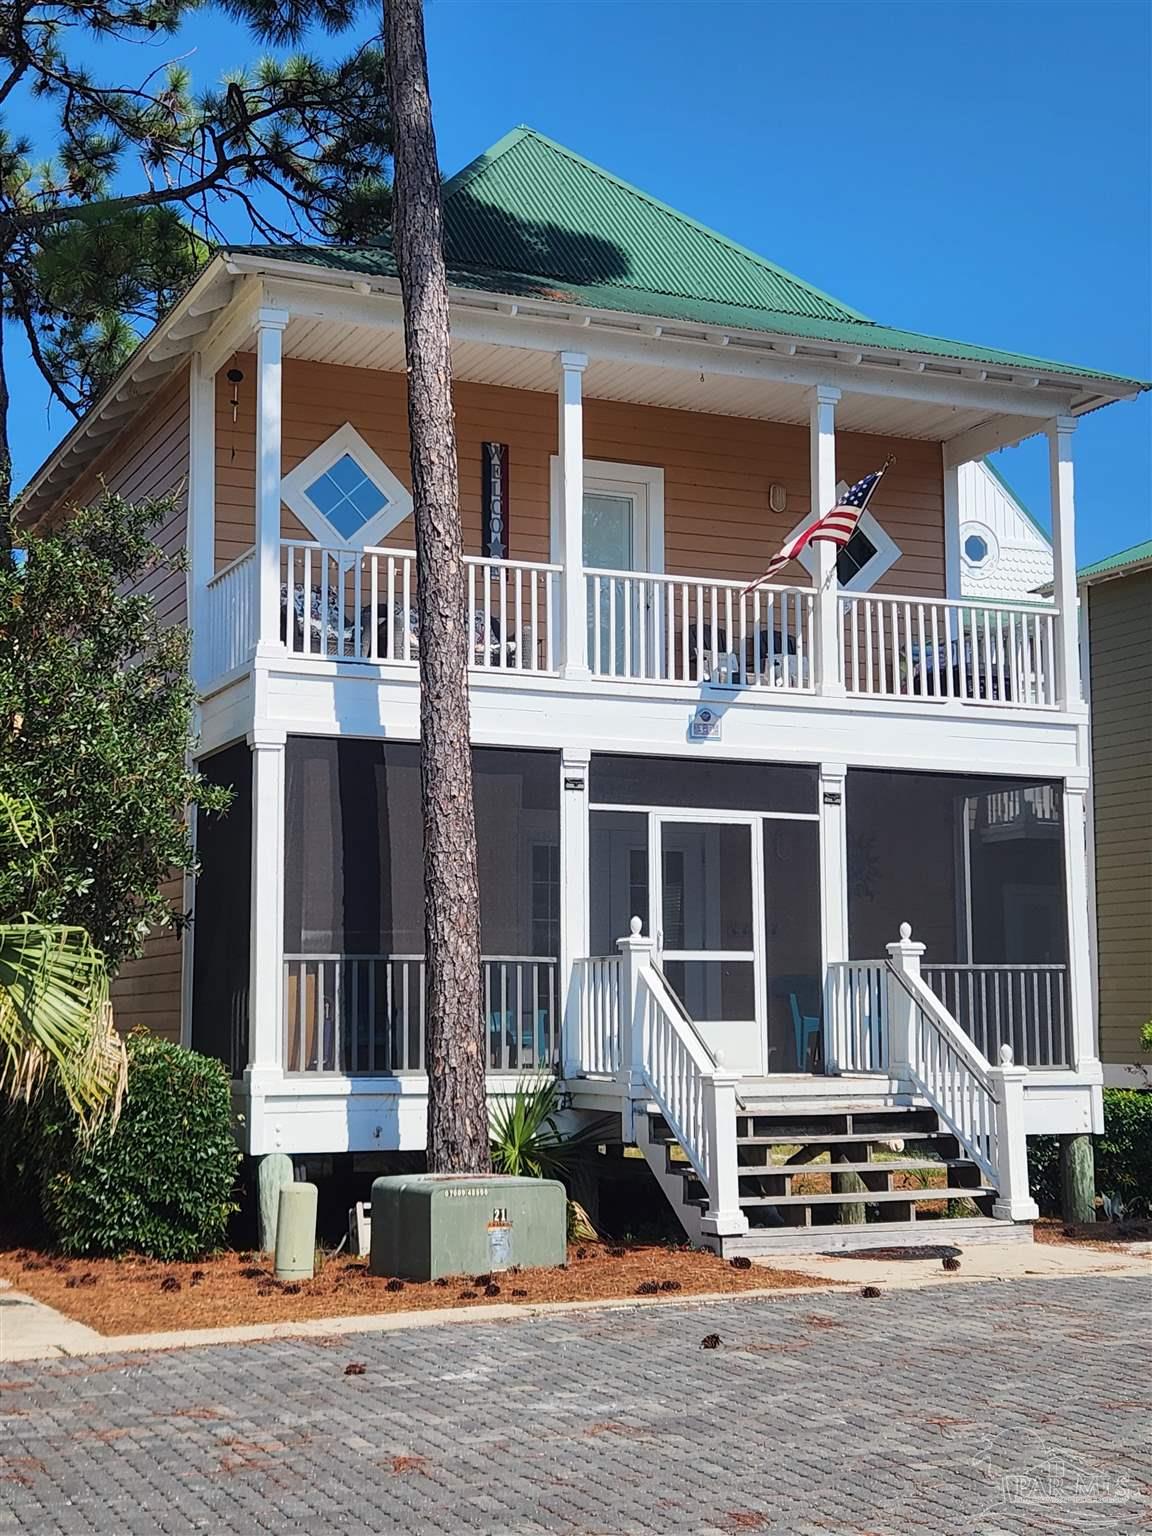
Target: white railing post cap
905 945
634 939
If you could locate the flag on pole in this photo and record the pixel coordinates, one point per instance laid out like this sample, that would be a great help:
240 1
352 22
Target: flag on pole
835 527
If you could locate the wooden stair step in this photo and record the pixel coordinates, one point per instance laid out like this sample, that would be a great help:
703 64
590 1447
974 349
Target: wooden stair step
880 1165
818 1140
872 1196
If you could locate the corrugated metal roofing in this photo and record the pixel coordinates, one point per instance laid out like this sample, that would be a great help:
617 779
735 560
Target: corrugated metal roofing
529 204
1115 565
530 219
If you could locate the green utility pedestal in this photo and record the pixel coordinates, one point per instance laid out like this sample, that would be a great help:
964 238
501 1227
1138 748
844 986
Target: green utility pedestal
425 1225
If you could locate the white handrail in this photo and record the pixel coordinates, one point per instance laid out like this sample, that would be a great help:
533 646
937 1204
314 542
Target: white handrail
230 616
948 1070
651 627
360 605
676 1069
597 1045
855 1026
949 649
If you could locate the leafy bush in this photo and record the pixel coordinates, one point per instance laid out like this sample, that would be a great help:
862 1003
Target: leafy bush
1123 1155
1124 1152
161 1181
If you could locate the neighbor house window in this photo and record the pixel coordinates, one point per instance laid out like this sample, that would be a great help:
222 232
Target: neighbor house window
864 559
344 493
978 547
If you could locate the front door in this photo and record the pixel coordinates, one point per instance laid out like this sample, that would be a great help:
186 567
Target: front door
616 538
706 876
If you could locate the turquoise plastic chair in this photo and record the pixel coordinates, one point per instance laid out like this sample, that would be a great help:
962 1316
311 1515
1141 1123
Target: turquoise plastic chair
807 1028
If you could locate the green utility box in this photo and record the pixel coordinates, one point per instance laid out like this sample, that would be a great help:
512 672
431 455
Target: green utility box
425 1225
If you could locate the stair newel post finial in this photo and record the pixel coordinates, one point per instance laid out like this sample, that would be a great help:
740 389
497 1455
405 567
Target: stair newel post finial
636 953
1014 1201
904 958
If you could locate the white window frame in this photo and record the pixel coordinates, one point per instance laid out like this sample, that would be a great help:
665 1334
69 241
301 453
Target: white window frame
605 477
974 528
345 440
886 556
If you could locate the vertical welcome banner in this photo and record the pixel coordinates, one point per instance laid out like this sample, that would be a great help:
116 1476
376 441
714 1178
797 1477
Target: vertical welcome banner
495 501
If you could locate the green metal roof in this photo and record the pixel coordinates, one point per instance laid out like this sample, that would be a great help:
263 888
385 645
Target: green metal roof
1116 565
528 218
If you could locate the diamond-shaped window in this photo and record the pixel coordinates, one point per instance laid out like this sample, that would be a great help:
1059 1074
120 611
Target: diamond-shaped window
347 496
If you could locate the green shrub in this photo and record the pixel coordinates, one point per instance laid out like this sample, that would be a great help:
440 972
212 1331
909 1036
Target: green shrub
1124 1152
161 1181
1123 1155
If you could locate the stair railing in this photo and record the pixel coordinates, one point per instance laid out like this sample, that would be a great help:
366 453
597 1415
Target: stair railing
664 1059
981 1104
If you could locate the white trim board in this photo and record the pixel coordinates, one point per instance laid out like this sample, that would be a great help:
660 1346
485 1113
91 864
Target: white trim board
346 440
609 476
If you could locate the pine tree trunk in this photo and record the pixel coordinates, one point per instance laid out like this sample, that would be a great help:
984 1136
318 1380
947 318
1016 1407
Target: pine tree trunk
457 1110
6 531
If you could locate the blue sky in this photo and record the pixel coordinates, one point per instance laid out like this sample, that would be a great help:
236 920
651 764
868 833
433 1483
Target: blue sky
975 170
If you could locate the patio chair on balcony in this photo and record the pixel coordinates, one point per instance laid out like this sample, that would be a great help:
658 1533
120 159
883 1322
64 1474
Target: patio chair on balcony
767 653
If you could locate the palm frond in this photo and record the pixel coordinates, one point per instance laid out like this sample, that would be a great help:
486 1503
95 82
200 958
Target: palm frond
56 1020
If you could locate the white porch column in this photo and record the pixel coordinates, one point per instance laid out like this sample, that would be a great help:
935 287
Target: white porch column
1013 1200
266 962
571 509
952 568
574 865
823 496
270 324
201 510
833 882
1062 479
1080 942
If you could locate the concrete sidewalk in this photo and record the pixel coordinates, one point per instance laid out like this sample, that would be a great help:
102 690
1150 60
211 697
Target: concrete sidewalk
30 1330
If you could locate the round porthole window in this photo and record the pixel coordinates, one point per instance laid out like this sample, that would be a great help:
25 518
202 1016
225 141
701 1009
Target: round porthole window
976 548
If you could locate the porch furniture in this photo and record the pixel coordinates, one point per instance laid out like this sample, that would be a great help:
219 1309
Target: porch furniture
808 1029
764 650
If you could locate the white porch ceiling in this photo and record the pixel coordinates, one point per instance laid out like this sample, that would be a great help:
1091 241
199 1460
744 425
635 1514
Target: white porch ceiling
357 346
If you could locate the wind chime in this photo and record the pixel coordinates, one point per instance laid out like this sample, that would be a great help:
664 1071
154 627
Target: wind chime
235 377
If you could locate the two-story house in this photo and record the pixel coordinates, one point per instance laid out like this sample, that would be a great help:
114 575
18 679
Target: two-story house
706 815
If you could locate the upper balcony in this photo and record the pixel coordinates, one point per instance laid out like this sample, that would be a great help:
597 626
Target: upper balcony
641 630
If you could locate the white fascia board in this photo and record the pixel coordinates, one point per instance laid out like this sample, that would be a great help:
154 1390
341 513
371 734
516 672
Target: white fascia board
612 337
154 359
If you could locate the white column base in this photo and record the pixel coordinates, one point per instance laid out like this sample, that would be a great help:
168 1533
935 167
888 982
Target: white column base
575 673
1016 1210
724 1223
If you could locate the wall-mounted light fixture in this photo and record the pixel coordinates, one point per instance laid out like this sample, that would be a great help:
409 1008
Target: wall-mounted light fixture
778 497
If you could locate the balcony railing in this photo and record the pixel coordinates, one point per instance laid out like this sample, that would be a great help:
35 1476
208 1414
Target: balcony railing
366 1015
360 605
1026 1007
929 648
676 629
644 628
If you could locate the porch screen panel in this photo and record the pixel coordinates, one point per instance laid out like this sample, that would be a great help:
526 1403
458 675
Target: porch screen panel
618 877
221 930
792 943
976 865
701 784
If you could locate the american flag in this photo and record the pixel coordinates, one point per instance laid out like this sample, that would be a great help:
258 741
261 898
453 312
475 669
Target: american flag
835 527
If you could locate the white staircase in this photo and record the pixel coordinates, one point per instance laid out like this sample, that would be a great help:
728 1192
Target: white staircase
760 1166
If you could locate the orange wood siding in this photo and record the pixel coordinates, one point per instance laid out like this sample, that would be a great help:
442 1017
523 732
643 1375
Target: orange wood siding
150 458
717 469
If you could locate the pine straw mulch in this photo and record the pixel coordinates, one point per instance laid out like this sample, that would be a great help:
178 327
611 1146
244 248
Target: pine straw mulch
136 1295
1105 1236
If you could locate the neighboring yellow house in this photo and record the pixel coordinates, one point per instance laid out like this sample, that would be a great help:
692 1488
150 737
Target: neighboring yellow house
1116 609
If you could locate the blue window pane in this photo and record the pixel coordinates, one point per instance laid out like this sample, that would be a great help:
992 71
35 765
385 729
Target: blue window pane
368 499
346 473
324 494
346 519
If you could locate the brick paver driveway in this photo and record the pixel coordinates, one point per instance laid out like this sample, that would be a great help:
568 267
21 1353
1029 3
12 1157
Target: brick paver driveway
978 1409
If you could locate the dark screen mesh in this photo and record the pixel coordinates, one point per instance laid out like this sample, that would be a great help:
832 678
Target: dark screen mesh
221 927
699 782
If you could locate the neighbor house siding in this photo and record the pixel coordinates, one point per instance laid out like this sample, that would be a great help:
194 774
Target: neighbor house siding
149 458
717 469
1120 640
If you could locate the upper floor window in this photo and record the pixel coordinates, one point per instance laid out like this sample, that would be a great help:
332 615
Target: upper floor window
343 492
863 560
